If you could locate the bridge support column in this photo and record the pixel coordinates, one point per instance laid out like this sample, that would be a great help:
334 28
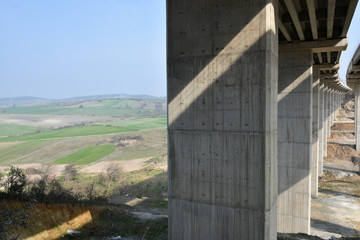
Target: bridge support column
335 107
294 141
315 133
357 116
222 119
326 117
321 127
331 111
329 106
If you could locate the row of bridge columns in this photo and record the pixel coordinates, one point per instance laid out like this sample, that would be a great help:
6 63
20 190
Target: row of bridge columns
248 123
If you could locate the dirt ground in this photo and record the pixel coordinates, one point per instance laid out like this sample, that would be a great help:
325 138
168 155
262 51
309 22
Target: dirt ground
125 166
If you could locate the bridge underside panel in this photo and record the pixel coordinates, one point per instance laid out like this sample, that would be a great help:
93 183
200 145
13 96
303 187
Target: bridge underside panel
294 140
222 105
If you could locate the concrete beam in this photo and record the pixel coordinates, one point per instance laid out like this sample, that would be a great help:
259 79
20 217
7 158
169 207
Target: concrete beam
295 18
332 45
312 15
349 16
284 31
355 68
330 76
330 18
327 66
353 76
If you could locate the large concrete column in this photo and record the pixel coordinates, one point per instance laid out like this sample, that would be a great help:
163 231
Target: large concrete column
222 103
315 132
333 107
325 122
294 140
321 127
357 116
330 111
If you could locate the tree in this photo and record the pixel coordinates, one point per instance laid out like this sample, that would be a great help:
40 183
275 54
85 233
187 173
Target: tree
15 181
112 171
70 172
90 191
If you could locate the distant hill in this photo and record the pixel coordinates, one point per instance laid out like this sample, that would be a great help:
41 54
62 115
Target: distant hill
18 101
28 100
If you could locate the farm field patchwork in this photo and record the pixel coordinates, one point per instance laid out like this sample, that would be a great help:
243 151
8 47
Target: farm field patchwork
83 132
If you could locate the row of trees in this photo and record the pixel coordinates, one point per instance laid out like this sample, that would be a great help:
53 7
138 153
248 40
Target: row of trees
46 187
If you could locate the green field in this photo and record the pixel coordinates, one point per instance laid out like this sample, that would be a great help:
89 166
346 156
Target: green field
68 132
9 129
20 149
139 124
87 155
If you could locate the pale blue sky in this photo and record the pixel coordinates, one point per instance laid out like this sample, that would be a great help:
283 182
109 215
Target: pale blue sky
67 48
58 49
353 42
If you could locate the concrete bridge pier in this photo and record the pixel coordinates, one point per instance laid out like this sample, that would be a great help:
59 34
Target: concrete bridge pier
322 125
334 108
315 132
222 69
327 114
294 140
331 104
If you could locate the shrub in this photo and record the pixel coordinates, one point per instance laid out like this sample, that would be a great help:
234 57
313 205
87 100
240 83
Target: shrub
15 181
70 172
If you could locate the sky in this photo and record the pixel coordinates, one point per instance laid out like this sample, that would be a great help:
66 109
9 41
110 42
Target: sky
59 49
353 42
